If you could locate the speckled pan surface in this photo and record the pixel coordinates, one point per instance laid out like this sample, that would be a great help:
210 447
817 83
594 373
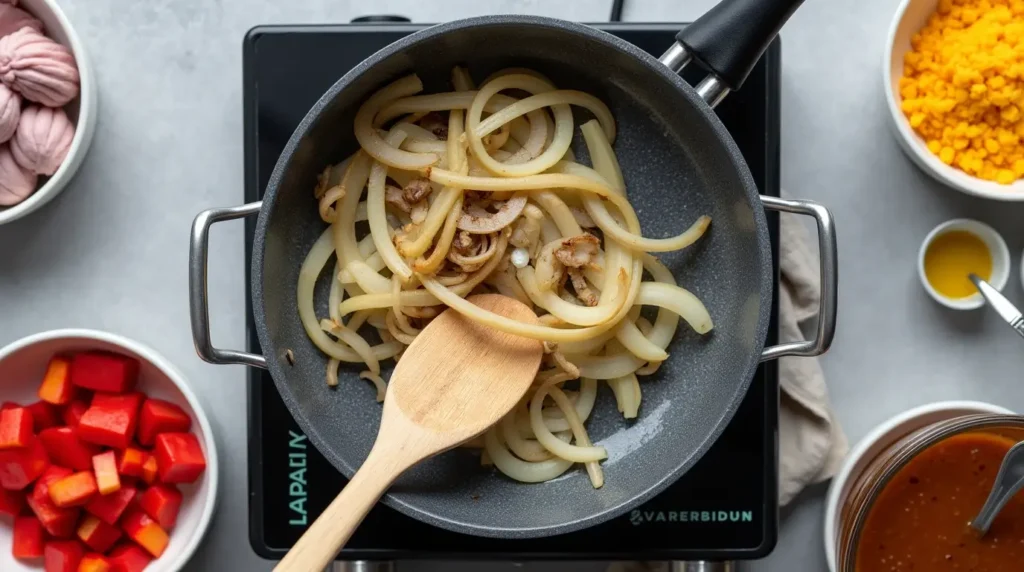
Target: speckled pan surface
678 162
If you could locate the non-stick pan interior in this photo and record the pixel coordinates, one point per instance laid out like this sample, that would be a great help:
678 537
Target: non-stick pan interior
676 167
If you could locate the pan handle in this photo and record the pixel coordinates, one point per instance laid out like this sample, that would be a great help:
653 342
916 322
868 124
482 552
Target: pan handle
829 269
199 303
728 41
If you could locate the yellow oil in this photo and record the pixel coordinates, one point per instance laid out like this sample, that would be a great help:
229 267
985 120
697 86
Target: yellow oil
951 257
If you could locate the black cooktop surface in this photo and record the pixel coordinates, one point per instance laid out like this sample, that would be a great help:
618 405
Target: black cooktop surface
725 508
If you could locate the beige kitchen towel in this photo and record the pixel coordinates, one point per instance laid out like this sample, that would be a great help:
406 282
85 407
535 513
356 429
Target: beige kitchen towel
811 442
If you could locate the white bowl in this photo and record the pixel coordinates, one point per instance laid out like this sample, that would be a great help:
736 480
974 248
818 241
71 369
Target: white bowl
996 247
910 17
81 110
877 440
22 364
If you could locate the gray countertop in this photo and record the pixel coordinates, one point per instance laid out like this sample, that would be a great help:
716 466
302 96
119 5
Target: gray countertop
111 251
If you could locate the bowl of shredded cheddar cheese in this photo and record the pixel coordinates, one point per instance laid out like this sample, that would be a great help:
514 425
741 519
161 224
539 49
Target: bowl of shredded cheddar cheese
954 84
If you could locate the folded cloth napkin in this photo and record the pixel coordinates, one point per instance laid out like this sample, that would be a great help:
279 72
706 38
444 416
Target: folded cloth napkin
811 442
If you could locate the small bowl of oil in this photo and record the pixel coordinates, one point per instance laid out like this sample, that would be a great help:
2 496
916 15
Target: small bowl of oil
955 249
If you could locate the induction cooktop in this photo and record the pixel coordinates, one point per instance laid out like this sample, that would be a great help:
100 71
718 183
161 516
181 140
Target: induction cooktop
725 508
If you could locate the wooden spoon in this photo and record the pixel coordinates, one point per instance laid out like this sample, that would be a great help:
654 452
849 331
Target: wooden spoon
456 379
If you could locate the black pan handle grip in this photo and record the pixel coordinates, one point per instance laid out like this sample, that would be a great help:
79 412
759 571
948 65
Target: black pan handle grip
730 38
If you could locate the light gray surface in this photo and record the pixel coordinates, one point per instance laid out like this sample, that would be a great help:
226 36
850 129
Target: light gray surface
111 252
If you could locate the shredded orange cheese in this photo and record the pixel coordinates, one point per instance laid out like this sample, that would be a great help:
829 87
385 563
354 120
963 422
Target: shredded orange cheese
963 86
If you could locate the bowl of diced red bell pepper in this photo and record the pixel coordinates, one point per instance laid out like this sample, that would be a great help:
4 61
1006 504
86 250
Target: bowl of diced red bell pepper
107 461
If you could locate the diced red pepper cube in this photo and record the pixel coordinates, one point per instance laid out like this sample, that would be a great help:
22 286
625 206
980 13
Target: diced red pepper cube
149 470
15 427
93 562
56 387
44 415
111 419
145 532
162 503
19 467
73 412
105 467
66 448
130 461
159 416
131 401
97 534
179 457
51 475
28 538
11 502
104 371
110 507
73 490
9 405
59 522
128 557
62 555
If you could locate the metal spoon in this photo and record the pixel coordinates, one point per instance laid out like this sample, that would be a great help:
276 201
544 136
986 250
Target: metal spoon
1006 310
1009 480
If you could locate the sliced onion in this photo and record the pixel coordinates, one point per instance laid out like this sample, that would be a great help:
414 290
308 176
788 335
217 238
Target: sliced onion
354 341
311 267
523 471
554 152
575 453
506 215
548 99
526 449
367 278
473 262
678 300
377 381
627 394
600 151
373 143
438 102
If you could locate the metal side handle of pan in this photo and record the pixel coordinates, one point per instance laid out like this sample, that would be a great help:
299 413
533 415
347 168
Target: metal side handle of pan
199 302
728 41
828 261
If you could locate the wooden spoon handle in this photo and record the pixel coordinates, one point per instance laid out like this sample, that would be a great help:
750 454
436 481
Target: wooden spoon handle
327 536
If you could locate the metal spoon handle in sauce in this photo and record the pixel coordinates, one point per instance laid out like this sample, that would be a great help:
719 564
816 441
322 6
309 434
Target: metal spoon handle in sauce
1009 480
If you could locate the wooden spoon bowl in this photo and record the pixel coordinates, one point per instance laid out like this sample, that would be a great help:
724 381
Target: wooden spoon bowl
456 380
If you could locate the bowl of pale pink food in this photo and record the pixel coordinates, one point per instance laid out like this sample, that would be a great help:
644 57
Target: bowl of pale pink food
47 105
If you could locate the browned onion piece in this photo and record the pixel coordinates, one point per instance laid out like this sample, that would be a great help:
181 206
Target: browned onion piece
506 215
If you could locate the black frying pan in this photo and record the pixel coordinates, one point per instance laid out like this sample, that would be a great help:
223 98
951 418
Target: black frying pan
679 162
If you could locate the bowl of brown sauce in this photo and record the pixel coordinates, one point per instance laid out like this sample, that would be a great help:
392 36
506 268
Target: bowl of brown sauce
910 509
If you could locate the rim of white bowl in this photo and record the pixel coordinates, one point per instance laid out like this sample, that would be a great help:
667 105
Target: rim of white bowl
1022 269
996 246
873 436
85 127
915 147
147 353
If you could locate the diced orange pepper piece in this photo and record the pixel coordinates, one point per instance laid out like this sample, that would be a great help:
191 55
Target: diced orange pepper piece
105 467
56 387
130 461
15 428
93 562
73 490
145 532
149 470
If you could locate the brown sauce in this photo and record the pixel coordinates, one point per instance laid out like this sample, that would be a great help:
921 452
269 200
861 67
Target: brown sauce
920 521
